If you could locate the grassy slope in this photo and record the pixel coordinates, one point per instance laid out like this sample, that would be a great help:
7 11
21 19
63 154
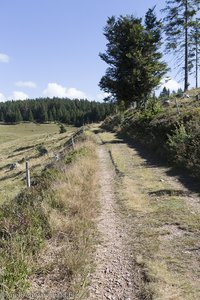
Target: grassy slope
175 137
165 224
18 143
47 233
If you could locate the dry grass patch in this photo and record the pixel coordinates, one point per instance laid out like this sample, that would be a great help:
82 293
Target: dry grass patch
132 196
21 142
47 233
71 216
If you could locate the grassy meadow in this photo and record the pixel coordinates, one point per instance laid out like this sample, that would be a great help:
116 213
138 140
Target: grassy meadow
21 142
47 233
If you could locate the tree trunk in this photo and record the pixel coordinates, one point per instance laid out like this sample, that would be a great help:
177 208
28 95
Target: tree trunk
197 62
186 47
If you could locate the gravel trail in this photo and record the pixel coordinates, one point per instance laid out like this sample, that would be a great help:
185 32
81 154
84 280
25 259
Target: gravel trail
113 278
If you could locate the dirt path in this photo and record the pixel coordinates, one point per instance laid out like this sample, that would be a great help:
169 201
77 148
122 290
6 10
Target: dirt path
162 228
113 278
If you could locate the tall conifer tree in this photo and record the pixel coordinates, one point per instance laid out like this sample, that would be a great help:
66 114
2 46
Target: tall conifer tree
135 66
194 51
178 22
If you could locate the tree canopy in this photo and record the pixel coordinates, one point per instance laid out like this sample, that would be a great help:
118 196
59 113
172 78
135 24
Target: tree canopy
179 20
75 112
134 59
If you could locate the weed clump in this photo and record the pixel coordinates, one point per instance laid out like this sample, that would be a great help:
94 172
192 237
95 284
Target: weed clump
41 150
23 229
74 154
62 129
175 137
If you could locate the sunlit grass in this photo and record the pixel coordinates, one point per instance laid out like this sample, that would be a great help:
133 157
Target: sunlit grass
49 231
165 227
18 143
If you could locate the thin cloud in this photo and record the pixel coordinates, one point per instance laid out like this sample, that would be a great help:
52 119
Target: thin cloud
26 84
171 84
56 90
4 58
18 95
102 96
2 98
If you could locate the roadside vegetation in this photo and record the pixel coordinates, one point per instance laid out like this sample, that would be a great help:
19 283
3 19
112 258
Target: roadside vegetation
37 143
164 221
172 135
47 232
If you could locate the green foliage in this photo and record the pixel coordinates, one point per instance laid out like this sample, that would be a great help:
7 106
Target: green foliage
173 137
62 129
30 116
23 228
75 112
28 224
165 93
41 149
134 58
178 22
194 51
179 93
153 107
73 155
178 137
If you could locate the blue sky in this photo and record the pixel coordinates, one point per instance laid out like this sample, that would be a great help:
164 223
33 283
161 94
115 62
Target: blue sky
50 47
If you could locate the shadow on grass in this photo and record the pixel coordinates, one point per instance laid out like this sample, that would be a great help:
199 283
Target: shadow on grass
119 141
11 176
154 160
24 148
170 192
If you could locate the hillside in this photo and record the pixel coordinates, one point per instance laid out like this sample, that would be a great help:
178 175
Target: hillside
160 216
172 132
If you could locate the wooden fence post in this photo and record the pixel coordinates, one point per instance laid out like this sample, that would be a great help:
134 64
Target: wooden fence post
177 107
72 142
28 180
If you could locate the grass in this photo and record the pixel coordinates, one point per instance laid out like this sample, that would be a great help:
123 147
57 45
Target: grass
165 225
48 232
21 142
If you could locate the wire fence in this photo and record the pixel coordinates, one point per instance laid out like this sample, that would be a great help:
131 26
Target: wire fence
68 145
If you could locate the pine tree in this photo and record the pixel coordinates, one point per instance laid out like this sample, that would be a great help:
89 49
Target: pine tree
30 116
133 57
165 93
17 115
178 22
194 52
50 116
42 110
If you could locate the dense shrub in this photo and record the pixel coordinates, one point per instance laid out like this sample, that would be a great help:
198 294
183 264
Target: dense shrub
173 136
41 150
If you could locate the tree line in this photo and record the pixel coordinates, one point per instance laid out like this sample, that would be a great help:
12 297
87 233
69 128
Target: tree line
134 51
75 112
